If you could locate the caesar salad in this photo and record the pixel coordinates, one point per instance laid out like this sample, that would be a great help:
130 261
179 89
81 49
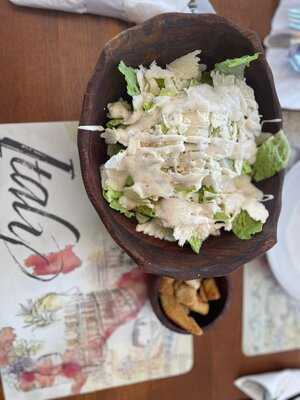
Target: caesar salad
184 149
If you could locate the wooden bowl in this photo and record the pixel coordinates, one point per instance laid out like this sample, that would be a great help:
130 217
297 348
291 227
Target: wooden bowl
164 38
217 308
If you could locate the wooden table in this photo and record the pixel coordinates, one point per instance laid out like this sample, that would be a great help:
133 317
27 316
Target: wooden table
46 59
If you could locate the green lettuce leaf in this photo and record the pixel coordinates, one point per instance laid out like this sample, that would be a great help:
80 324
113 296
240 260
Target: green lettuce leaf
195 244
236 66
113 149
184 189
271 157
160 82
246 168
206 193
146 211
112 197
129 181
114 123
244 226
164 128
167 92
147 106
194 82
141 219
220 216
131 79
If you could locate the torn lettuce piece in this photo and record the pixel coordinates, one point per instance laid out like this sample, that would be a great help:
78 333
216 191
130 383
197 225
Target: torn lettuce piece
236 66
244 227
220 216
206 193
195 244
194 82
160 82
147 106
112 197
129 181
247 168
164 129
141 219
167 92
146 211
114 123
271 157
113 149
184 189
131 79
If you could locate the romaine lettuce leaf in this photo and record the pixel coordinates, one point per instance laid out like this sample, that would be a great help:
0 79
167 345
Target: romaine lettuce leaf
129 181
112 197
114 123
131 79
246 168
147 211
235 66
220 216
147 106
244 226
206 193
195 244
160 82
271 157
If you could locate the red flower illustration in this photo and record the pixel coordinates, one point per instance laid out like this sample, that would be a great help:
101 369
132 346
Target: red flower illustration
26 381
63 261
7 338
72 369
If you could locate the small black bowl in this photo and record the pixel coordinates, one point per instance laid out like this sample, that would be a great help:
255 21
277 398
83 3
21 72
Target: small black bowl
216 307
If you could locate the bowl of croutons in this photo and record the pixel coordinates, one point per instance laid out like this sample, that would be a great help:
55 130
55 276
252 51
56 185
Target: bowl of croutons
189 307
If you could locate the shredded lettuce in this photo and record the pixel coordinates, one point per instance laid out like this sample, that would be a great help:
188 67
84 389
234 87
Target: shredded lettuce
244 226
194 82
129 181
147 106
184 189
114 123
236 66
195 244
271 157
112 197
206 193
146 211
131 79
246 168
141 219
220 216
163 128
167 92
160 82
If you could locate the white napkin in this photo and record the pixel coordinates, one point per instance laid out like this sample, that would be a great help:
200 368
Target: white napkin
129 10
281 385
287 81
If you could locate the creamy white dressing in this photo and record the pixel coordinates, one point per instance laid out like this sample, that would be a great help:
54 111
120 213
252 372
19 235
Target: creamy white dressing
180 137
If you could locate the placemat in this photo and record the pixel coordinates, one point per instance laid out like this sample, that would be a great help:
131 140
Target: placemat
271 318
74 314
